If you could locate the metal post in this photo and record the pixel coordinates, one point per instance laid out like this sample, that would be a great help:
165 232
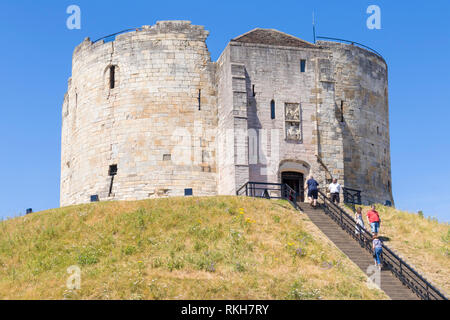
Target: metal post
111 186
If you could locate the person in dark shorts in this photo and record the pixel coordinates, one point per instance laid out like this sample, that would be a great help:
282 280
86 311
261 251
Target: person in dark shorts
313 191
335 189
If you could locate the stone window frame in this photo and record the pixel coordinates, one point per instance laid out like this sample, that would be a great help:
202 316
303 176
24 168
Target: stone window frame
106 77
299 122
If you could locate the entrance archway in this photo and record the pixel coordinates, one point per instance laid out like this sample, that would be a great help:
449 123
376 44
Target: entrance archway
293 172
296 181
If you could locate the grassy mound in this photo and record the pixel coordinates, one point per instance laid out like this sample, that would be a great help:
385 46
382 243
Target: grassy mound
175 248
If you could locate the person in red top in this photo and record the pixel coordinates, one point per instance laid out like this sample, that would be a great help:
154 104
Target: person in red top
374 220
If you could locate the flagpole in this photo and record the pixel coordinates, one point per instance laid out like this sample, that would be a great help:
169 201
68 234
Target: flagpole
314 28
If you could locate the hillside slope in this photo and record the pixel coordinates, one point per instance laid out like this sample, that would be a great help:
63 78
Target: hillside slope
175 248
422 242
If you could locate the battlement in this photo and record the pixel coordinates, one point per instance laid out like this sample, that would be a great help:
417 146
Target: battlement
169 29
175 27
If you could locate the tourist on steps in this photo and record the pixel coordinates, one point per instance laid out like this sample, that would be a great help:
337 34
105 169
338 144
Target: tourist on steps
359 221
374 220
335 189
313 191
377 247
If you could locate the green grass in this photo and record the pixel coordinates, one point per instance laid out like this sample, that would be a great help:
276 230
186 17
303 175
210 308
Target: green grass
422 242
175 248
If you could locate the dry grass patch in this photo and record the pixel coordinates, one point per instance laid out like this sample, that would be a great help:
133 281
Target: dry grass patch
175 248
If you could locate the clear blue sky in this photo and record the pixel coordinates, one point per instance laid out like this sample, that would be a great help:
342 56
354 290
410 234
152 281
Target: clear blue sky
35 63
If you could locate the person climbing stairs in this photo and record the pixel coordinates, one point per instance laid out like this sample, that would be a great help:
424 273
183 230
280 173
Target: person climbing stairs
361 257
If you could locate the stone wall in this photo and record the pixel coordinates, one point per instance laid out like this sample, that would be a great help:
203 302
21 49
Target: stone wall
149 124
362 88
268 73
171 119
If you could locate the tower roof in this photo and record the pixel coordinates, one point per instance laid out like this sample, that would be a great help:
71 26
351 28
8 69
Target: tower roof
272 37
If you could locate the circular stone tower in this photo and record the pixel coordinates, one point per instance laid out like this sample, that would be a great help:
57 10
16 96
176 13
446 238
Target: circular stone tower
361 95
139 116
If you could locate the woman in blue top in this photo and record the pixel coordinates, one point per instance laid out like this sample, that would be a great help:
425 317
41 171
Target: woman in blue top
377 247
312 185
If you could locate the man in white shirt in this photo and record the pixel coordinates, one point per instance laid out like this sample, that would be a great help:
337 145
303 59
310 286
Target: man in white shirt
335 189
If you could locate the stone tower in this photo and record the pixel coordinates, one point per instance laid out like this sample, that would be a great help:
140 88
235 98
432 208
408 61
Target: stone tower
149 115
134 103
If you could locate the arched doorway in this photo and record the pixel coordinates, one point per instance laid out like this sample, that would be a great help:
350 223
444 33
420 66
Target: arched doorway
296 181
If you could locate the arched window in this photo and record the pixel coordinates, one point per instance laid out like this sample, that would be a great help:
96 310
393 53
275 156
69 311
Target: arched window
111 78
272 109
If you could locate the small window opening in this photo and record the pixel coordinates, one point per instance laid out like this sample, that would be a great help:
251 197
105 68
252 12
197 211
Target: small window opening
112 170
188 192
378 130
302 65
272 109
112 77
342 110
253 91
167 157
94 198
199 99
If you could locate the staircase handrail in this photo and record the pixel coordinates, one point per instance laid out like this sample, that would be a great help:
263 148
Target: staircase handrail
402 270
286 192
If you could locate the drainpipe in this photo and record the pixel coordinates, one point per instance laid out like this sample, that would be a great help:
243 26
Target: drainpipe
316 125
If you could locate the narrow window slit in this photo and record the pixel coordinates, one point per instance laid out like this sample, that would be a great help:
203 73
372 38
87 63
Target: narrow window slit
302 65
272 109
112 77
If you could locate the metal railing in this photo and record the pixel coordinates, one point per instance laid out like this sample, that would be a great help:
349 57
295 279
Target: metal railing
404 272
352 196
269 191
353 43
111 37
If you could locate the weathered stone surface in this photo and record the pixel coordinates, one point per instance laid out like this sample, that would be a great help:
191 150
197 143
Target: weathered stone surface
175 120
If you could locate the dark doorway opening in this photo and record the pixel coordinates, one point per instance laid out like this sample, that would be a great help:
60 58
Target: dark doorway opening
295 181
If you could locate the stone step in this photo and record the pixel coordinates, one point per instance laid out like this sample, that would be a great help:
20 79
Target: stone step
349 246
